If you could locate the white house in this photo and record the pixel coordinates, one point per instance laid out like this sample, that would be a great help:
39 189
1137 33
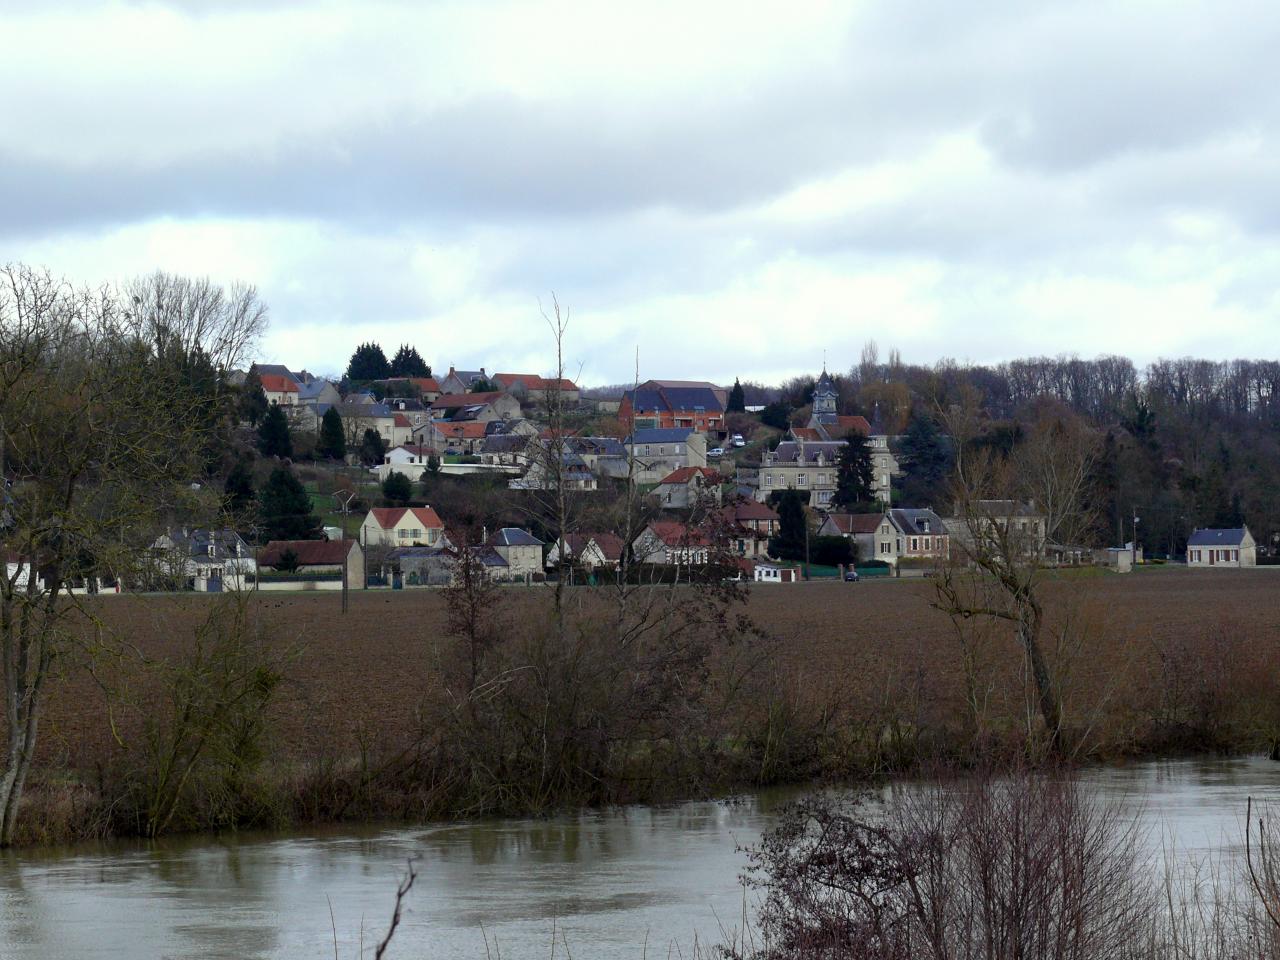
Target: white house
402 527
1222 548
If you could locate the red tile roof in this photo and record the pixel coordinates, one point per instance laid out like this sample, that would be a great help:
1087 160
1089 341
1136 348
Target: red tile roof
676 534
452 400
685 474
532 381
401 420
463 430
806 433
277 383
388 518
309 552
851 424
743 510
852 523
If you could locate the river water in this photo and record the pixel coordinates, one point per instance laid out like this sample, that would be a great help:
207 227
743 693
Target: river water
625 883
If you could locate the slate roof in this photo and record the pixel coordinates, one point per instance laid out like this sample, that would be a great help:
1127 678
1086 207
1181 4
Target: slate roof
310 552
308 391
664 435
912 521
506 443
226 543
1230 537
673 399
597 446
791 452
514 537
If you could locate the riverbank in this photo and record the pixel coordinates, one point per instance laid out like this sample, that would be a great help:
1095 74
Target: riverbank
845 681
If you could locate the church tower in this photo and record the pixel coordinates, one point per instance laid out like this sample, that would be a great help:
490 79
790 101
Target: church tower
825 399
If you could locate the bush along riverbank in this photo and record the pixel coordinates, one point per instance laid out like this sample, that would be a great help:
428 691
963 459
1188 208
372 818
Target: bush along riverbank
266 713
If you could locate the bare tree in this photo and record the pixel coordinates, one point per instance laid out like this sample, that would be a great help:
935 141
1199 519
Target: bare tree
1010 511
107 406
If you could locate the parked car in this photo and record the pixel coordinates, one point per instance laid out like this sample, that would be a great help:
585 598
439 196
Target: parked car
716 452
851 576
737 440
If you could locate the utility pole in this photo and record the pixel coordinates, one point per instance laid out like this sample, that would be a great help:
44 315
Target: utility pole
1134 557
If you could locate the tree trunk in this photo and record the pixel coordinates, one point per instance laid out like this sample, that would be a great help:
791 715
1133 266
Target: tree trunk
1029 637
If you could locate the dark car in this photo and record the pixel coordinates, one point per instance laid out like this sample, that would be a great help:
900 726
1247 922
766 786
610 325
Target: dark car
851 576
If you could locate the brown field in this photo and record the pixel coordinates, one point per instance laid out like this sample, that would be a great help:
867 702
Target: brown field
1129 649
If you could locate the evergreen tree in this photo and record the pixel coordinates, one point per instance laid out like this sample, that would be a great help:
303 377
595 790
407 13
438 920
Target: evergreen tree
273 435
926 458
737 398
776 415
284 507
368 363
372 449
332 444
396 488
483 386
789 543
408 363
854 476
252 404
238 489
288 562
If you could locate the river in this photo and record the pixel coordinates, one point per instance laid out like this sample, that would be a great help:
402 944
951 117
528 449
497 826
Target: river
624 883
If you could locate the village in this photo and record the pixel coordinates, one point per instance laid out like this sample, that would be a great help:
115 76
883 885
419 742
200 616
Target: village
718 490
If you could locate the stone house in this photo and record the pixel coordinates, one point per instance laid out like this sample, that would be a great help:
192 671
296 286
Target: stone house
520 550
689 487
657 452
671 543
911 534
748 525
1222 548
859 527
590 551
987 523
460 381
695 405
801 465
483 407
207 561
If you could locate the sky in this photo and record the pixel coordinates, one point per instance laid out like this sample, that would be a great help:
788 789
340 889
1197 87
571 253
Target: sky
718 189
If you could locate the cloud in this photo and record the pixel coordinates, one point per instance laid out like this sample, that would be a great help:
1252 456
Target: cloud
732 189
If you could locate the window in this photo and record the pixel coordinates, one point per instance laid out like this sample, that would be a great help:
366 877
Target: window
802 479
768 479
928 543
915 544
884 546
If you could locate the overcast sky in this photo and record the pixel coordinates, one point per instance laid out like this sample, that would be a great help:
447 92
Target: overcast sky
733 188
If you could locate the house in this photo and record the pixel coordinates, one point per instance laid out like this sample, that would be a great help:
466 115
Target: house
447 436
520 550
492 405
506 449
531 388
424 566
427 388
402 527
800 465
988 524
749 524
413 409
280 390
318 390
826 424
666 404
911 534
1222 548
461 381
688 487
207 561
590 551
858 527
671 543
573 474
657 452
312 562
